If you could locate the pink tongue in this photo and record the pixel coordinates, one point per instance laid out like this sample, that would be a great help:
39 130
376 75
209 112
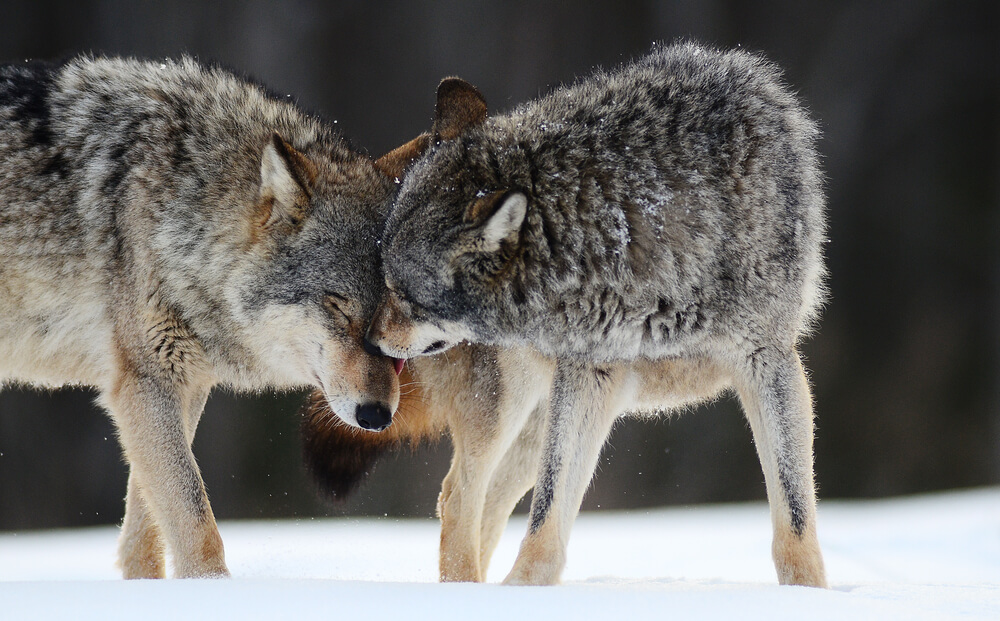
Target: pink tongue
397 364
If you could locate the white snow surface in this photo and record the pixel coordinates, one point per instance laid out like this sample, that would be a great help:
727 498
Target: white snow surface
927 557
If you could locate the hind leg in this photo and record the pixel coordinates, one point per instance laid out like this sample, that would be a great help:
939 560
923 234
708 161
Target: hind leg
777 403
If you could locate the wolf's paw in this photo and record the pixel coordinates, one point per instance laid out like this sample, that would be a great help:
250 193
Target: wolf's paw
211 573
543 573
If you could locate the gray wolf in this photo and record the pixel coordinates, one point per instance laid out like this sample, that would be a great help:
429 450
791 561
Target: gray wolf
166 227
666 214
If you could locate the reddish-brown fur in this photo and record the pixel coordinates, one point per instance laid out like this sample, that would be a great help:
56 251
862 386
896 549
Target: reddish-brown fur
339 457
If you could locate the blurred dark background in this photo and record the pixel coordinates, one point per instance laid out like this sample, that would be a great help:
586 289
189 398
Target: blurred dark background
906 364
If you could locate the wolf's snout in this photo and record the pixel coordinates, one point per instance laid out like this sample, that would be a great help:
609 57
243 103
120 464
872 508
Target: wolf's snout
375 350
373 416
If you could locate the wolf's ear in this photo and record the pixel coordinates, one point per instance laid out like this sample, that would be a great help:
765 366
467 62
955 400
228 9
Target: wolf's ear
459 107
501 214
394 163
286 181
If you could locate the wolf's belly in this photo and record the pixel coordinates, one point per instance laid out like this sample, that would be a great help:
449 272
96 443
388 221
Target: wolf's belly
53 332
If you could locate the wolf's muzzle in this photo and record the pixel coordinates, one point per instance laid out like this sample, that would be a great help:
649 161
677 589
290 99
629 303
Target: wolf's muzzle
375 350
373 416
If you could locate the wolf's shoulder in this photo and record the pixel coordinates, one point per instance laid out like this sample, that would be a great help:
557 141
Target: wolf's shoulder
86 74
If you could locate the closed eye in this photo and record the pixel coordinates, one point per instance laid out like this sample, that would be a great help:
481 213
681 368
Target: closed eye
335 305
415 310
402 297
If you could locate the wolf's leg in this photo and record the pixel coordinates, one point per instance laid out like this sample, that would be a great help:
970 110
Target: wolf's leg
140 544
584 404
776 399
480 436
156 422
512 479
491 393
460 508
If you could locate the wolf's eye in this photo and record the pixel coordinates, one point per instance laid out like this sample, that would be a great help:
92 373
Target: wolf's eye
336 305
402 297
416 311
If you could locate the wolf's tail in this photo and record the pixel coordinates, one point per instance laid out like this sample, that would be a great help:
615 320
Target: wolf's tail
338 456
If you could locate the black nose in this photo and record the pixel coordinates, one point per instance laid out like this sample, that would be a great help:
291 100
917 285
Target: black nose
371 348
373 416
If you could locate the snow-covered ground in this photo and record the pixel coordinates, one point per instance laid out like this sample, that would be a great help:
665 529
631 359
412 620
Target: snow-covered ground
927 557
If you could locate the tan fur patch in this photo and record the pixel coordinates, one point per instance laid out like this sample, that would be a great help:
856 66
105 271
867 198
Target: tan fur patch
212 555
798 559
142 553
456 565
394 163
542 556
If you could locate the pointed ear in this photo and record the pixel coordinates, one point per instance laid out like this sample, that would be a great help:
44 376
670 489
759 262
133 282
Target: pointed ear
502 214
459 107
394 163
286 181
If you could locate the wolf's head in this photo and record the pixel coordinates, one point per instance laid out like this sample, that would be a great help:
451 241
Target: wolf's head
452 234
313 276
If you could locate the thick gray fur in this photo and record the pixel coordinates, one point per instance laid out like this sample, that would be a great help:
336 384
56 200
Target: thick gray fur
94 148
670 209
673 203
169 226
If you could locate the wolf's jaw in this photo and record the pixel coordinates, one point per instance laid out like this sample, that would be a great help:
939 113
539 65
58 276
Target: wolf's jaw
341 405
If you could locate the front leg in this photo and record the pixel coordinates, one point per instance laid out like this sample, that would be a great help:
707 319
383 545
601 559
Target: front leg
141 551
460 507
485 394
140 544
155 427
481 434
512 479
585 400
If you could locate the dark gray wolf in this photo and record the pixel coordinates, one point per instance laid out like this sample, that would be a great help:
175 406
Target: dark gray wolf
660 221
166 227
